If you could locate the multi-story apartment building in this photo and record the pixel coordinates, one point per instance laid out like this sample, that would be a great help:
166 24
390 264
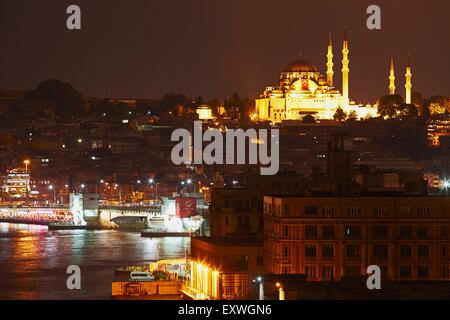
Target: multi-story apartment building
328 238
239 210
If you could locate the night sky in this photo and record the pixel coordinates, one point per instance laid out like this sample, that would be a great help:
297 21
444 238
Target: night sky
212 48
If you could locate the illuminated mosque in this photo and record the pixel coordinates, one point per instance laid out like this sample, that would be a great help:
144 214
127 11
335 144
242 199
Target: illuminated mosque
302 90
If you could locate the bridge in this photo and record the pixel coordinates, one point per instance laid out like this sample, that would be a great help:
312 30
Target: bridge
39 215
110 216
103 216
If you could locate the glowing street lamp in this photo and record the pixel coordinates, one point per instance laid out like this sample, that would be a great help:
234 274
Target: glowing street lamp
51 188
280 291
26 162
155 184
189 182
261 287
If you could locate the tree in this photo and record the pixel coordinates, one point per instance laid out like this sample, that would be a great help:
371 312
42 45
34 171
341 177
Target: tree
308 119
215 105
171 102
438 105
233 106
339 115
352 116
418 100
390 105
69 102
408 110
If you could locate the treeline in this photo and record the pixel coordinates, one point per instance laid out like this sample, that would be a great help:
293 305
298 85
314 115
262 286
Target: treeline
70 103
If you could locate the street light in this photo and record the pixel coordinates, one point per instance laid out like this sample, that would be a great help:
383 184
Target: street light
155 184
189 182
261 287
51 188
26 162
280 291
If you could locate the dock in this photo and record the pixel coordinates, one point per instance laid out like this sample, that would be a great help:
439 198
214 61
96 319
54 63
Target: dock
55 227
154 234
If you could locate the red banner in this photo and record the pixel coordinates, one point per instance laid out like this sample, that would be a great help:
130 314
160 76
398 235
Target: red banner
186 207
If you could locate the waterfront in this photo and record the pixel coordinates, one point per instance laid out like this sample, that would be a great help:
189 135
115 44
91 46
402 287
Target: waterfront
33 260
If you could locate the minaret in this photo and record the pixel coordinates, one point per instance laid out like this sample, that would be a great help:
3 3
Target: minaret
345 69
408 84
330 72
392 78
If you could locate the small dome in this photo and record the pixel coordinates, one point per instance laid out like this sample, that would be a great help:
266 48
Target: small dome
300 66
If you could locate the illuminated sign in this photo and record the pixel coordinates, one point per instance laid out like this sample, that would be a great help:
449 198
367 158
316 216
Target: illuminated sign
186 207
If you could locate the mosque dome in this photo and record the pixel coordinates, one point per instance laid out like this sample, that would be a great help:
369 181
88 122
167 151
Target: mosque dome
300 66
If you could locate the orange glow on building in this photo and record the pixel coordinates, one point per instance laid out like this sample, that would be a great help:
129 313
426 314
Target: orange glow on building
203 282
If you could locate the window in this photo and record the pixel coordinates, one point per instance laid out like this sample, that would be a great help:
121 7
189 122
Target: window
328 211
423 212
310 271
310 232
380 232
444 232
354 212
310 210
328 251
423 271
380 251
444 250
228 202
235 263
380 212
405 231
310 251
352 251
285 231
422 251
238 205
353 232
286 251
405 251
422 232
444 272
328 272
405 271
328 232
405 211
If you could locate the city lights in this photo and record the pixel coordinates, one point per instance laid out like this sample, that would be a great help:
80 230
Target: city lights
26 162
192 152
